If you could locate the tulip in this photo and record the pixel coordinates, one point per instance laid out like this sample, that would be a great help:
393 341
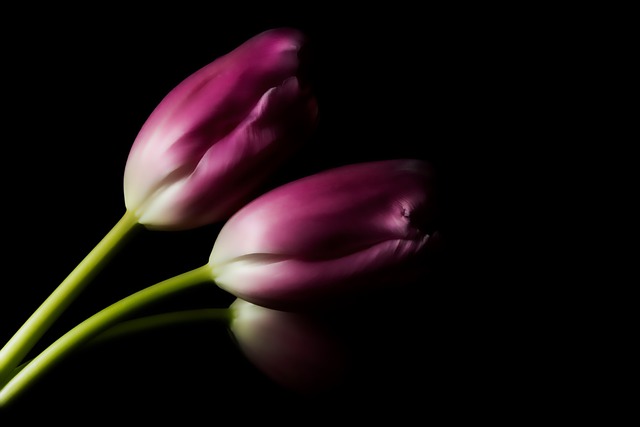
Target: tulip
202 153
338 233
214 138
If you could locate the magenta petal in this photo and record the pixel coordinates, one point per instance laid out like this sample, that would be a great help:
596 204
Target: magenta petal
333 233
236 165
288 283
334 211
168 181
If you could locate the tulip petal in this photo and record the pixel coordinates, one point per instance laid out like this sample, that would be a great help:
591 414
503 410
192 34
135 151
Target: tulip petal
286 282
333 212
213 105
237 164
328 235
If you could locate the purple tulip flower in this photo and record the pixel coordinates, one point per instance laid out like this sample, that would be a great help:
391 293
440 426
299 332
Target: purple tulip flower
211 142
337 233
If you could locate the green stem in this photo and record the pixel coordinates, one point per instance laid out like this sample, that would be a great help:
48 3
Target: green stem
41 320
98 323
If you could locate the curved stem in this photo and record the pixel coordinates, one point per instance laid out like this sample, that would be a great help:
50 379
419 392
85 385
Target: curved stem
98 323
39 322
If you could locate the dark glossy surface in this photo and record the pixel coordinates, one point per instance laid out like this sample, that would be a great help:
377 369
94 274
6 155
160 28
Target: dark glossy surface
77 93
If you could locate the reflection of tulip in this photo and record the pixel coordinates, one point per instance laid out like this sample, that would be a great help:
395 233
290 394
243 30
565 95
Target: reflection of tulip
331 234
293 349
213 139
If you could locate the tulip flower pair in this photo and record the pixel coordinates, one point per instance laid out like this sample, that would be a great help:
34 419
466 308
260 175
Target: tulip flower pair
203 152
307 244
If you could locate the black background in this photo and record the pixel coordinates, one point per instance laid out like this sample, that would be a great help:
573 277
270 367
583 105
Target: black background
437 84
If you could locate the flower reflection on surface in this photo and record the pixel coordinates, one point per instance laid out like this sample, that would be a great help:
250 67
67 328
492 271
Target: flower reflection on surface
296 350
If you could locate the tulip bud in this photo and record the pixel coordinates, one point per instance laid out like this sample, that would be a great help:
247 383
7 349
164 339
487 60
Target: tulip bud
295 350
215 137
337 233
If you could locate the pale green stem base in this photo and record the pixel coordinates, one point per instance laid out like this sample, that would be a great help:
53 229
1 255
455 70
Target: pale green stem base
41 320
97 324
